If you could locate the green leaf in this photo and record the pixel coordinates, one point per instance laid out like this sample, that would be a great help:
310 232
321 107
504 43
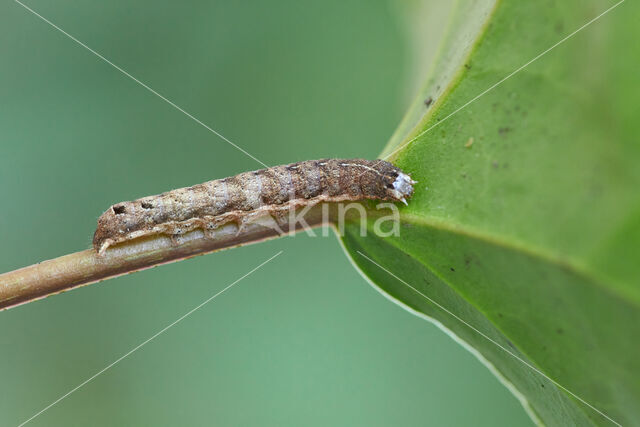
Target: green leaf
527 237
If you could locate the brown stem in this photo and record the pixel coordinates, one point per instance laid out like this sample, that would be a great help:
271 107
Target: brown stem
82 268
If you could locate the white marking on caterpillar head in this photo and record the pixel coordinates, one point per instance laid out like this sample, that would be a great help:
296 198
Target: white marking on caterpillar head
403 187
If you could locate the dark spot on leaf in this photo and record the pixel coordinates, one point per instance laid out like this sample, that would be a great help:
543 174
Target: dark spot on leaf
467 66
500 315
560 331
495 164
504 130
428 102
542 385
452 269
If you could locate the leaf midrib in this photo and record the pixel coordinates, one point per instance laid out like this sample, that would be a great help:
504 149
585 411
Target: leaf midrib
567 263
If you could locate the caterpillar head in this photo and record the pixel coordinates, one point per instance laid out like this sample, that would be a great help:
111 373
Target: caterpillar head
398 185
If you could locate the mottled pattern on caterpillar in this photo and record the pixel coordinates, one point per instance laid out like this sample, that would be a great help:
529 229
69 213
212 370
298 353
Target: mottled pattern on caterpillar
240 198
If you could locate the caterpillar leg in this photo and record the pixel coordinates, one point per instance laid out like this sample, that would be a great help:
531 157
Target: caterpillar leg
264 219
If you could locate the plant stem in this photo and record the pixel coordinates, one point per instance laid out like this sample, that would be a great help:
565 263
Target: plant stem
82 268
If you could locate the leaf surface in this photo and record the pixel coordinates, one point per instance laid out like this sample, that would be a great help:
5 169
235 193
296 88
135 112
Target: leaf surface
525 223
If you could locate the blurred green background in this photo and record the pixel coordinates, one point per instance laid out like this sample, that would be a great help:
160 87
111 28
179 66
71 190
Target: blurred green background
303 341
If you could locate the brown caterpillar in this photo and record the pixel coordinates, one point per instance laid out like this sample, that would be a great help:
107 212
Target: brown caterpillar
240 198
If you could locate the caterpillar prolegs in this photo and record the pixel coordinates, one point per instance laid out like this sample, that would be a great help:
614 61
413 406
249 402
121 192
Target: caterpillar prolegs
242 197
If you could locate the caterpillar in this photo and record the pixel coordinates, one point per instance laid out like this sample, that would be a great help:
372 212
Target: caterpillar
242 197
